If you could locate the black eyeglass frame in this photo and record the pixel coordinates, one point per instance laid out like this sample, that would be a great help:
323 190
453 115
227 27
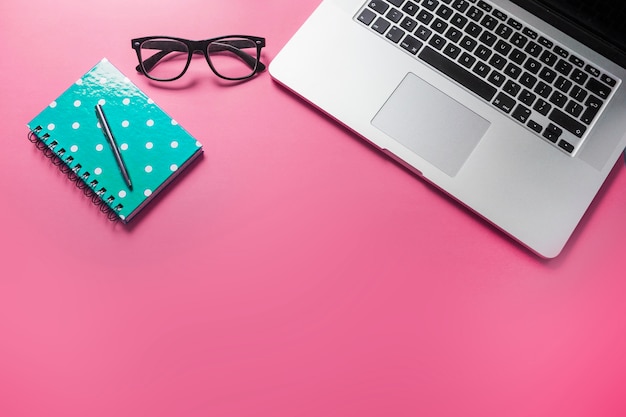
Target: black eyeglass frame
202 46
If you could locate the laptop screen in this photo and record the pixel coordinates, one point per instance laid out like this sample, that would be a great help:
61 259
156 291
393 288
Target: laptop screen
597 23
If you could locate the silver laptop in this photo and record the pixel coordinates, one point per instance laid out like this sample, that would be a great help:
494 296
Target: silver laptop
517 109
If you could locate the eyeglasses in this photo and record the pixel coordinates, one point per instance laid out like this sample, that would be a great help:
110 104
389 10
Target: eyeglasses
164 58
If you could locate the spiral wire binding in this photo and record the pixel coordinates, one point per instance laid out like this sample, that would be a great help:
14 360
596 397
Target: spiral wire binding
64 163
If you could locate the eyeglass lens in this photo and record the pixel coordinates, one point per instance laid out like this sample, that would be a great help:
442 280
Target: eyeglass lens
166 59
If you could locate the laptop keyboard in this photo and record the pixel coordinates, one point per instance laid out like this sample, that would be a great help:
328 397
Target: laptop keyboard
523 73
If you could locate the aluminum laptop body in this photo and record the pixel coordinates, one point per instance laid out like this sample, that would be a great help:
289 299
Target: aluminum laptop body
369 65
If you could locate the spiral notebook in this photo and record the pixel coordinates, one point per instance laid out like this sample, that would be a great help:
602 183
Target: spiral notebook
153 147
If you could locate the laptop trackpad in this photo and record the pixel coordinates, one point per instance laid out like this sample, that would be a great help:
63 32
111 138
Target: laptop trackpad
431 124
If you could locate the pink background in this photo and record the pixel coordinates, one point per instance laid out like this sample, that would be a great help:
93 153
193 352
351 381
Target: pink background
294 271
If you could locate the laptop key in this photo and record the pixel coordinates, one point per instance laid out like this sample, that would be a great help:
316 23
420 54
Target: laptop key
411 44
410 8
568 123
568 147
552 133
381 25
457 73
521 113
598 88
504 103
379 6
535 126
367 17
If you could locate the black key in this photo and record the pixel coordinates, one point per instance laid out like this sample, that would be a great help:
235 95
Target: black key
502 47
547 74
467 60
394 15
437 42
558 99
504 103
457 73
527 97
423 33
411 44
552 133
532 66
543 89
396 3
511 88
468 43
499 14
410 8
576 61
489 22
542 107
521 113
573 108
481 69
592 70
563 84
408 24
533 48
561 52
485 6
579 77
514 24
460 5
504 31
568 123
454 34
517 56
535 126
459 21
593 107
452 50
548 58
608 80
424 16
519 40
430 4
496 78
482 52
568 147
578 94
564 67
513 71
379 6
445 12
395 34
488 38
530 33
367 16
381 25
473 30
598 88
528 80
439 25
475 14
498 61
546 42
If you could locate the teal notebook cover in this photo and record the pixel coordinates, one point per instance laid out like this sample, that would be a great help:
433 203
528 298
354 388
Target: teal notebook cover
154 148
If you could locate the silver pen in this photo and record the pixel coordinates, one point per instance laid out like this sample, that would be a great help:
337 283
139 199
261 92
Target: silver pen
106 129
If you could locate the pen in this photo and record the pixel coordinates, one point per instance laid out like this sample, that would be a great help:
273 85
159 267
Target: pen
106 129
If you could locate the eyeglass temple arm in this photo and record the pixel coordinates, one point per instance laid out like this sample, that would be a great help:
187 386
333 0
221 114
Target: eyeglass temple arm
169 47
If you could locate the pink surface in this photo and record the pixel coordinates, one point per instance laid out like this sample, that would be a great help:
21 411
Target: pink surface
293 271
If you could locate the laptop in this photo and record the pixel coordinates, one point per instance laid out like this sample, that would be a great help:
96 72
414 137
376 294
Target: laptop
517 109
